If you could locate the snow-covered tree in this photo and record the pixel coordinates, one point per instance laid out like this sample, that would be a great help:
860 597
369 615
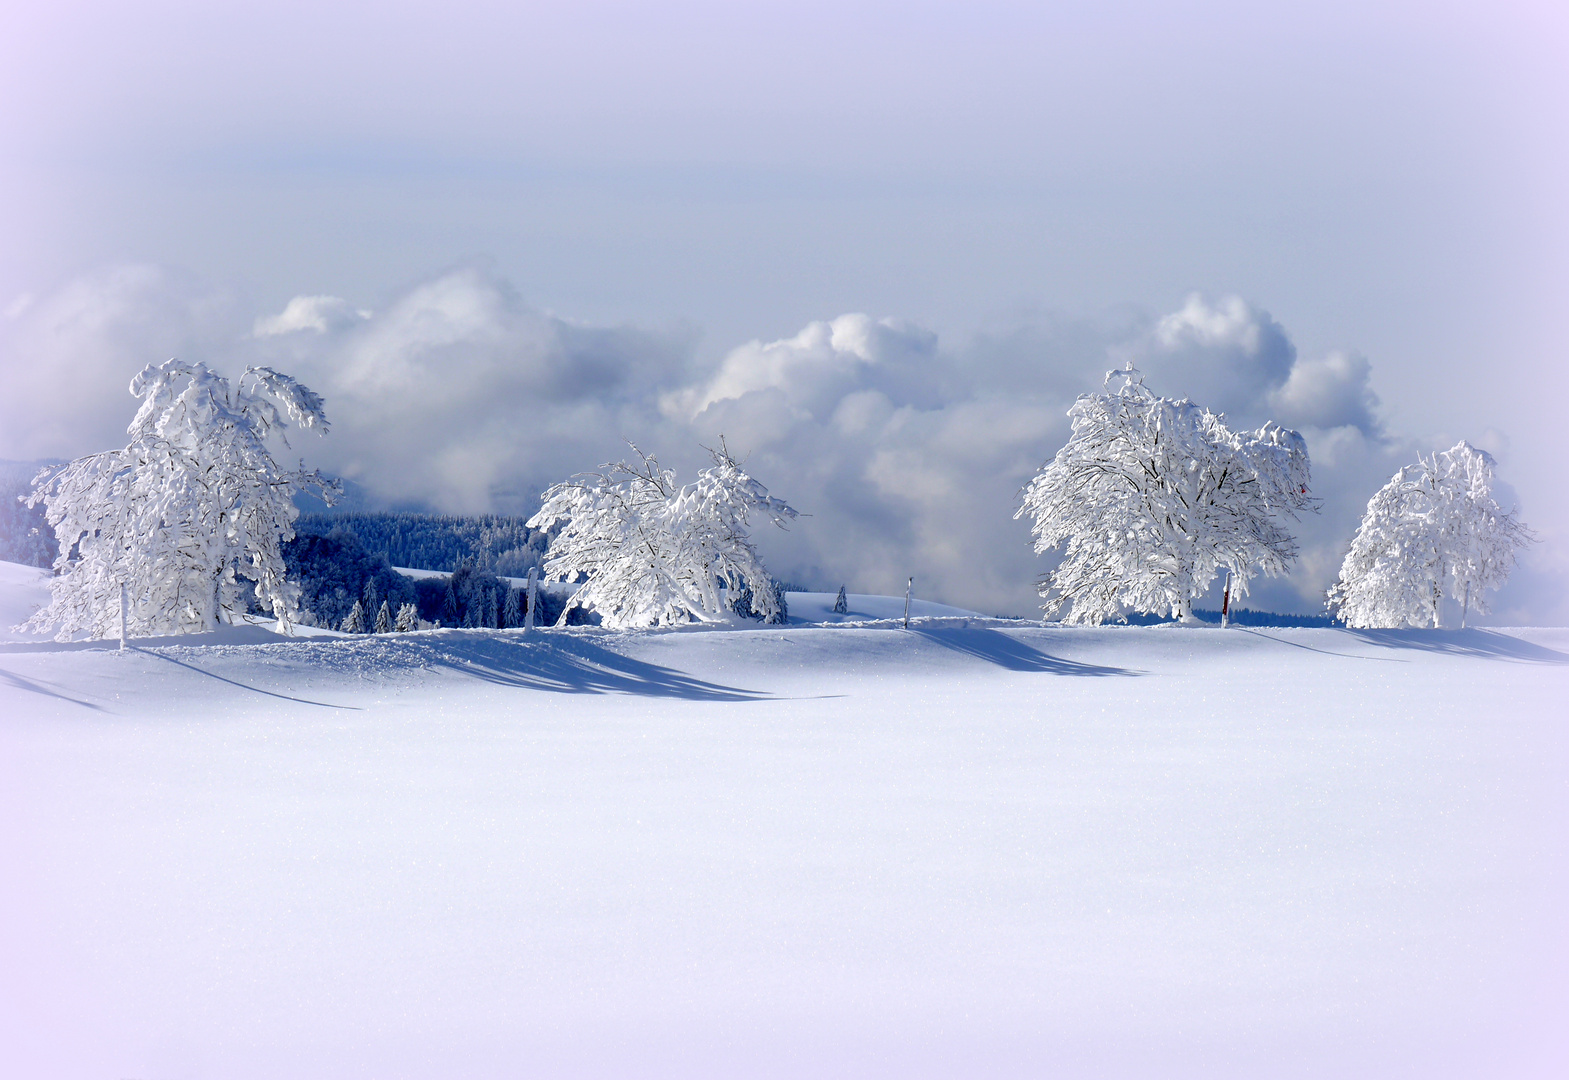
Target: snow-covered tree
654 553
384 618
1153 497
512 614
408 619
1434 530
193 505
354 621
841 603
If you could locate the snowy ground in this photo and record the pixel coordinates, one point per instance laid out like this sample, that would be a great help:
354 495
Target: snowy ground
515 582
969 849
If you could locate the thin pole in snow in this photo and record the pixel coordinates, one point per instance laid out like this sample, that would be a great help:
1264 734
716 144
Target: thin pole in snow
125 604
533 598
907 590
1225 604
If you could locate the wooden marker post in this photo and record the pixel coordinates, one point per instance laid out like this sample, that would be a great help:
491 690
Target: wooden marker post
533 598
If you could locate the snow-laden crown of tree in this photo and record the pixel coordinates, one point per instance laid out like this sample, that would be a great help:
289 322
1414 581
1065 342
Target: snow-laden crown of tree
191 506
654 553
1433 530
1153 497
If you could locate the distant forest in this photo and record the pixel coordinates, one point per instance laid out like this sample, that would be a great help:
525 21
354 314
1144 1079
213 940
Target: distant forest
25 537
335 569
339 558
502 545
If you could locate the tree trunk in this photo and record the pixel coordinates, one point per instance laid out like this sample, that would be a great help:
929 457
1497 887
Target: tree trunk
215 604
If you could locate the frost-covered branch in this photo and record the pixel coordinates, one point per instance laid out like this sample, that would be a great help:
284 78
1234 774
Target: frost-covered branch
189 516
1153 497
1433 531
653 553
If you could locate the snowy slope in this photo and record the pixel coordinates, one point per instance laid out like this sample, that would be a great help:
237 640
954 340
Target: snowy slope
23 590
969 849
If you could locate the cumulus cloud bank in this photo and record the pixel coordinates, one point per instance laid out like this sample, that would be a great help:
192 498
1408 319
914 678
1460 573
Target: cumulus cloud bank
907 454
318 313
66 357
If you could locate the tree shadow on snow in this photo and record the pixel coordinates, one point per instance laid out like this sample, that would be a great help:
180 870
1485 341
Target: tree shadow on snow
23 683
567 664
95 645
1006 652
242 686
1473 642
1313 648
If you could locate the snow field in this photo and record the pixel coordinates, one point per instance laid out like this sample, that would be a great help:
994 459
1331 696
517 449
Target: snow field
815 607
974 848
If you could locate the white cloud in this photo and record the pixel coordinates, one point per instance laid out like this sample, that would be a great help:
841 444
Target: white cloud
68 355
455 394
1330 392
1227 356
318 313
907 453
818 366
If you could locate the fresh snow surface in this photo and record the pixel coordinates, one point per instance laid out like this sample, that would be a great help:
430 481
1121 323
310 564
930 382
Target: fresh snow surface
818 607
412 572
972 849
23 590
516 582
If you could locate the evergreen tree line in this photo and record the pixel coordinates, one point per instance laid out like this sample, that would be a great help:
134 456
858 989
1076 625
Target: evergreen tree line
25 535
503 545
345 585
